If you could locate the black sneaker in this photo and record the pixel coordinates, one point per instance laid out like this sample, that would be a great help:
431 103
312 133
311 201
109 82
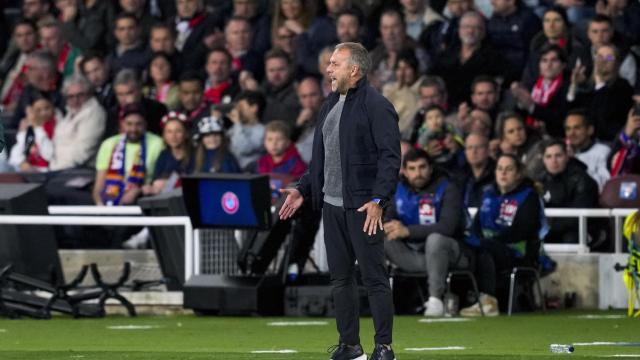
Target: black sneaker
382 352
347 352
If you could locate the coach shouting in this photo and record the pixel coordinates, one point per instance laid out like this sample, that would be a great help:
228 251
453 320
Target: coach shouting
352 176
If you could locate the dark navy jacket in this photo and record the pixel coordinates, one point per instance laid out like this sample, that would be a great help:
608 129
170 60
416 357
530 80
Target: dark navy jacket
369 149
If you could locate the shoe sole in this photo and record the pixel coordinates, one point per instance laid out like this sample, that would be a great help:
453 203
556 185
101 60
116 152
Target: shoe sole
361 357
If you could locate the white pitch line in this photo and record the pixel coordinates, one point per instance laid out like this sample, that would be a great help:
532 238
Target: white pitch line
600 317
437 348
607 343
285 351
444 320
623 355
298 323
132 327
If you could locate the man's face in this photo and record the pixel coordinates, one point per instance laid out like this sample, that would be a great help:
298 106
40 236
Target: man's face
310 95
417 172
578 133
471 30
40 75
246 111
25 38
51 39
34 9
275 143
132 6
476 150
335 6
412 6
277 71
392 32
458 7
550 65
502 7
218 67
430 95
161 40
340 70
553 25
238 35
284 39
126 32
348 28
190 94
187 8
96 72
405 74
75 96
245 8
484 96
605 62
127 94
555 160
134 127
599 33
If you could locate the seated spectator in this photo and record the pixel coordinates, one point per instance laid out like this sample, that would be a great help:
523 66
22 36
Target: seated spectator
625 16
95 69
418 15
442 35
606 96
161 87
310 98
13 66
220 87
290 17
566 184
162 38
279 89
212 150
176 157
583 146
52 40
191 26
513 137
247 133
78 134
349 27
86 24
323 63
546 103
37 10
424 226
128 91
624 153
120 182
485 96
403 93
34 146
192 100
139 9
479 173
282 157
432 91
506 231
237 35
439 139
259 20
130 51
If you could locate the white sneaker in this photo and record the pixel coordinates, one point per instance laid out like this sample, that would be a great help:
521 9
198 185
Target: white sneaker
489 306
138 240
434 307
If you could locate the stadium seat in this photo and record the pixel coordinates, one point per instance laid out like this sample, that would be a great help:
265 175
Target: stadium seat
513 278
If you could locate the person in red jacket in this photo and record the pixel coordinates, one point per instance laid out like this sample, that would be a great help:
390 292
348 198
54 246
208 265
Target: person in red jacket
282 156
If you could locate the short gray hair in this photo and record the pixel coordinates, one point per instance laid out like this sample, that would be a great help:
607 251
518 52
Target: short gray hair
125 77
44 59
359 56
77 79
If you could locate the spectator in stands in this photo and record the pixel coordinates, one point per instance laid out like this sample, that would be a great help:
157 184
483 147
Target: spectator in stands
128 91
279 89
191 24
34 146
247 132
294 16
511 29
120 182
505 231
130 51
424 226
282 157
546 103
52 39
323 63
283 39
259 21
78 134
37 10
13 67
600 32
162 38
220 87
212 153
42 79
403 92
160 86
192 100
513 137
625 15
479 173
606 96
582 145
440 140
566 184
443 34
625 152
432 91
87 24
310 98
459 65
95 69
175 159
139 9
393 41
349 27
485 94
418 15
237 36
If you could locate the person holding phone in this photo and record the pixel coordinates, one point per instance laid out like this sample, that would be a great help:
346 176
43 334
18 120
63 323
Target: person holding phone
625 157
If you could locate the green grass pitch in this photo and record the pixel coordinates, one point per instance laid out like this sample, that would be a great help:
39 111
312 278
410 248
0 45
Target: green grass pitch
191 337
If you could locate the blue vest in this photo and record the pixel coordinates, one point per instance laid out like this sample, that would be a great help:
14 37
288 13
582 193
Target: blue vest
419 209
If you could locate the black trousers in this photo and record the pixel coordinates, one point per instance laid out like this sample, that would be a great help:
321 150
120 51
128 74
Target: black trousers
346 242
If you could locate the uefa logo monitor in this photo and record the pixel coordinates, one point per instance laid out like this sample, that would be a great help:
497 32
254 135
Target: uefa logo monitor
230 202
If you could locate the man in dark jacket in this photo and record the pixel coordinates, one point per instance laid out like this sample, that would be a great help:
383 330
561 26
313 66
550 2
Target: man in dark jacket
352 176
279 90
479 173
425 224
566 185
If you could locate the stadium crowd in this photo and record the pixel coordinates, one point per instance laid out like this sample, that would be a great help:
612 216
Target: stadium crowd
527 102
